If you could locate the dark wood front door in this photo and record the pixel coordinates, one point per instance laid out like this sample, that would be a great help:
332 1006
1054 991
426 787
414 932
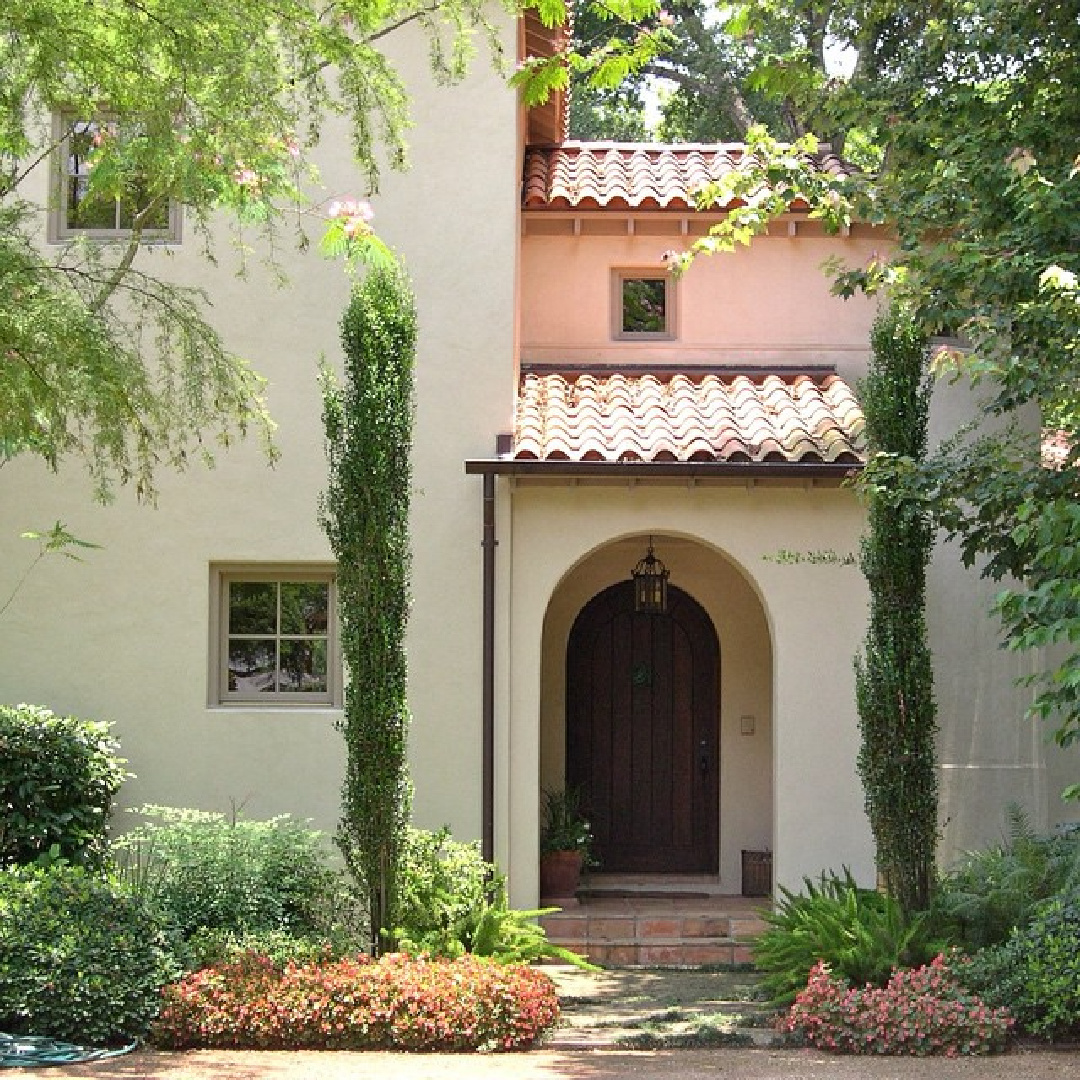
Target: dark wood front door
642 732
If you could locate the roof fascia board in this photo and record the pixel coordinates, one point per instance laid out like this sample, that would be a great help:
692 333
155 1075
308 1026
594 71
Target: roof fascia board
655 470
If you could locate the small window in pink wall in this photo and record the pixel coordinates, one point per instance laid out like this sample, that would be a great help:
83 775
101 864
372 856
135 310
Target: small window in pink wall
643 305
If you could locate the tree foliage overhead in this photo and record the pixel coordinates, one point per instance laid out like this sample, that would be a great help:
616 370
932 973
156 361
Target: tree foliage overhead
212 106
967 113
705 77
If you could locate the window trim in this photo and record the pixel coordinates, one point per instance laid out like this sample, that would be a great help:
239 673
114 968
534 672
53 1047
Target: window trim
219 696
59 231
619 276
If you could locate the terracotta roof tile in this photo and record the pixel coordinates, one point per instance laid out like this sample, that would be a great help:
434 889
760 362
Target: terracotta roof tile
591 176
624 416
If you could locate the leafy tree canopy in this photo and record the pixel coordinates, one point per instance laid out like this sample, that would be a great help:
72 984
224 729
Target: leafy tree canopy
215 107
968 111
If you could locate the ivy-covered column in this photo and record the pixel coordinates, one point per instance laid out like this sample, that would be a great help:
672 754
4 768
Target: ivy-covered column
365 512
894 676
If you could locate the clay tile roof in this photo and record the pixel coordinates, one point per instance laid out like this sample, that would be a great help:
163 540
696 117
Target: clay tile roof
632 176
618 417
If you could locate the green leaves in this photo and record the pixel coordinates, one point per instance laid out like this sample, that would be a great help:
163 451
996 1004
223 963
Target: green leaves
216 107
860 934
630 39
80 957
58 778
365 512
210 874
894 681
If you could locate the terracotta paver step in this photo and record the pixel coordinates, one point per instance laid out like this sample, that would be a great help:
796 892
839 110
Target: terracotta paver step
633 953
650 930
609 929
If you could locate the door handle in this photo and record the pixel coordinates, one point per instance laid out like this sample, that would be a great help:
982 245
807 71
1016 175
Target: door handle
703 758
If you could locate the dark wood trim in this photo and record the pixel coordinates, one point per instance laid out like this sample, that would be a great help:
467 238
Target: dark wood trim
668 371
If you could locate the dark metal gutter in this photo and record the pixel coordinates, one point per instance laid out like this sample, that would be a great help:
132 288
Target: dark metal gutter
487 799
656 470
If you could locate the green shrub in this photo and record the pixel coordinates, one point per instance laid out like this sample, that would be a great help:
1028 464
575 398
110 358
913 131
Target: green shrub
922 1011
1036 973
862 935
80 958
58 777
395 1003
442 884
213 946
208 873
452 902
997 889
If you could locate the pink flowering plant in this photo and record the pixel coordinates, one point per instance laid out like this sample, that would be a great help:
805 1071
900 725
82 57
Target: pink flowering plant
351 236
920 1011
395 1003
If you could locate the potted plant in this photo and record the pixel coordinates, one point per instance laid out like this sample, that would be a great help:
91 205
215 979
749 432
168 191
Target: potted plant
565 844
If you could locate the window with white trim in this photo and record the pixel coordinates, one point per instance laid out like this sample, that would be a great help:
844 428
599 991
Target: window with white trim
81 212
274 636
643 305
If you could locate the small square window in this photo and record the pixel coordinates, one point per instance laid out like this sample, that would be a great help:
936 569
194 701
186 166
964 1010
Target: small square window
643 305
274 640
79 212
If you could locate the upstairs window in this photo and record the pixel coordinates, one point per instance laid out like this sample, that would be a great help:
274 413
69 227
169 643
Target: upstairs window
643 307
276 639
80 211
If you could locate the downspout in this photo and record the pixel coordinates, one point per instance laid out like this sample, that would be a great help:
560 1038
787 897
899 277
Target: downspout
487 804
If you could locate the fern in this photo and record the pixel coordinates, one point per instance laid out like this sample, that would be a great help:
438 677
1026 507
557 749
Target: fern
998 889
862 935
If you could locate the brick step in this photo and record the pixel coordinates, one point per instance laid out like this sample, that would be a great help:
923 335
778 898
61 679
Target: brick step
661 952
576 926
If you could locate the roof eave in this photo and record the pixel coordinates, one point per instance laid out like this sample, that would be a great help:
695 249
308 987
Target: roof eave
655 470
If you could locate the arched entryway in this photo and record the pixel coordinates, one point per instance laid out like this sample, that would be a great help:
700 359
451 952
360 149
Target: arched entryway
642 732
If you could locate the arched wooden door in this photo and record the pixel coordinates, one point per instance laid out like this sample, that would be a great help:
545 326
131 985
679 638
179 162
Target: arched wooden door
642 732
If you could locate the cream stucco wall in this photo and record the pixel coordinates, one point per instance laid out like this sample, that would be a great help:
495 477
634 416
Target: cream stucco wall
770 305
563 539
990 754
124 635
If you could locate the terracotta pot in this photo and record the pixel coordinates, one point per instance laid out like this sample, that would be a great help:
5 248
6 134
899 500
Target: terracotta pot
560 874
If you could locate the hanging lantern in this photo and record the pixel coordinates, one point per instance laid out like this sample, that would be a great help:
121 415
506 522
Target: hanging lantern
650 578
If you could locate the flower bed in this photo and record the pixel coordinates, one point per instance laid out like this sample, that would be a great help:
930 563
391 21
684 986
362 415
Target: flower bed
395 1003
921 1011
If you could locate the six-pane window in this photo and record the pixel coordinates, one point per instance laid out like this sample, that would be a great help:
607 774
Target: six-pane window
278 640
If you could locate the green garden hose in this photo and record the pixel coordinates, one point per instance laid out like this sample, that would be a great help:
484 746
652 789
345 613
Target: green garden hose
28 1051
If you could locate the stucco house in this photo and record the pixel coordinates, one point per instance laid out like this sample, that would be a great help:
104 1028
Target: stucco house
577 410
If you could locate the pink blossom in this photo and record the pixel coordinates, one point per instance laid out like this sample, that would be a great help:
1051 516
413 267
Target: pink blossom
246 177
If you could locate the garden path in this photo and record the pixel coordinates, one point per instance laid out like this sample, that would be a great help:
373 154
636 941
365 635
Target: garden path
711 1064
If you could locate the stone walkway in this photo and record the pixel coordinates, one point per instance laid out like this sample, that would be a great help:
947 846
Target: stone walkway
650 1008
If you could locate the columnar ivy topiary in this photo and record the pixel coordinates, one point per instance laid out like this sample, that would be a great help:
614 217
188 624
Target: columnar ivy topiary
894 676
365 512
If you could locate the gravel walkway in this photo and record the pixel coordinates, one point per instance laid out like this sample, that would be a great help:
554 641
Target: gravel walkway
566 1065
